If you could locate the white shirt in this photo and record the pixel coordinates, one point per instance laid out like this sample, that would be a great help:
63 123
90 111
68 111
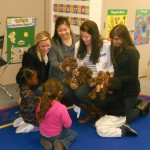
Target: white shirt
104 63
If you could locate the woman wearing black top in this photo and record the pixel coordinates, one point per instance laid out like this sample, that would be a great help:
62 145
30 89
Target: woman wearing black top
125 58
37 57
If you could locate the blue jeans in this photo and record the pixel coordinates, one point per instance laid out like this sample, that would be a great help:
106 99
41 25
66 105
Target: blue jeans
81 93
69 98
67 136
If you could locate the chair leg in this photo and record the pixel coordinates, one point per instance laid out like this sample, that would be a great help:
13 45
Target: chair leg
1 86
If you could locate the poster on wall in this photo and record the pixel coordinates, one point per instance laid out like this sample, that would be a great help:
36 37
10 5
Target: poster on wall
76 11
115 17
20 36
77 14
76 21
142 27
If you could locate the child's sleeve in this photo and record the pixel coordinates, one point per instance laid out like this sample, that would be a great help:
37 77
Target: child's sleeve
67 122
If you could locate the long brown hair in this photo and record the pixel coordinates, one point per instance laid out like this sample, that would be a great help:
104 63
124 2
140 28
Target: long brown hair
52 90
122 32
96 42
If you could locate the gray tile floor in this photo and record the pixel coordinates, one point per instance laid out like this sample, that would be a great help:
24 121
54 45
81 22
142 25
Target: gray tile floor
5 101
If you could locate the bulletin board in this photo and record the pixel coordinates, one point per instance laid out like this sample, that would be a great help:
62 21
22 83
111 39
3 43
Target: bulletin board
77 11
20 36
115 17
142 27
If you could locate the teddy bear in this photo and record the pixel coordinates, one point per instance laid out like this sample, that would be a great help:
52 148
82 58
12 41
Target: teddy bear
82 75
99 79
69 65
75 76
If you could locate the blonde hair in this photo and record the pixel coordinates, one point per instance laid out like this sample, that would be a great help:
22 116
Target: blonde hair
41 36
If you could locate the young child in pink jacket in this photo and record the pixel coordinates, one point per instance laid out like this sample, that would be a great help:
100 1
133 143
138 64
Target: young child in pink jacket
54 120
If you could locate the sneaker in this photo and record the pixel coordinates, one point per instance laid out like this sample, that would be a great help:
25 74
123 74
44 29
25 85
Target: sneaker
18 122
26 128
58 145
129 130
46 144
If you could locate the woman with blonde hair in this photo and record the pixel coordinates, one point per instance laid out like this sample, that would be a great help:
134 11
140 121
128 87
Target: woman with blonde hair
37 57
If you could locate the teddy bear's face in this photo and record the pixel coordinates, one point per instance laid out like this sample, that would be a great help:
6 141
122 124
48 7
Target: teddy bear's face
69 64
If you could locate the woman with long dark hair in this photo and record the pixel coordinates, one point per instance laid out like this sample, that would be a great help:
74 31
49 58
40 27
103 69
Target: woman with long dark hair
93 52
125 58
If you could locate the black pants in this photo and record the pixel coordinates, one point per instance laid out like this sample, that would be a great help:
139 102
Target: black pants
130 108
69 98
81 94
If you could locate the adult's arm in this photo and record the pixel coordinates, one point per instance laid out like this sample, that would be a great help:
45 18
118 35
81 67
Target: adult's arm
53 56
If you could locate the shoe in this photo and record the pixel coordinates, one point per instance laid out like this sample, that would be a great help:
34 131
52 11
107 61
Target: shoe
87 118
144 107
26 128
46 144
128 130
139 101
58 145
18 122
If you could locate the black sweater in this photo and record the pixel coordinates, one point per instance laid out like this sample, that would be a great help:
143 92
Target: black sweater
126 69
111 104
30 59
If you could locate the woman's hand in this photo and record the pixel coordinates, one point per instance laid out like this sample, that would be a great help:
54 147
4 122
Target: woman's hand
61 69
111 74
75 72
98 88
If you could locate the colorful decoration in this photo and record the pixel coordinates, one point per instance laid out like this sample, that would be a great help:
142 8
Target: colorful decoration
142 27
20 22
20 36
76 9
73 20
115 17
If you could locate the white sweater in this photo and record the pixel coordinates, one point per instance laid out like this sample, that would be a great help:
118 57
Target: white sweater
104 63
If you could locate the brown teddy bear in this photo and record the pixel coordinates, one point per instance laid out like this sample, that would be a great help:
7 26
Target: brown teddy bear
75 76
99 79
69 65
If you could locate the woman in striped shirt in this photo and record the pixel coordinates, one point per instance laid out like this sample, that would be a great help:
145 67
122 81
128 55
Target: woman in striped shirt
94 52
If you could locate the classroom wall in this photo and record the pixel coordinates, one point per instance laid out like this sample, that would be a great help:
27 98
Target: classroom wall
94 13
43 10
19 8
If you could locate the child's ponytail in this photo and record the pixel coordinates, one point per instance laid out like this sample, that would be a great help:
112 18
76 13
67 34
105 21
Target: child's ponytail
52 90
45 105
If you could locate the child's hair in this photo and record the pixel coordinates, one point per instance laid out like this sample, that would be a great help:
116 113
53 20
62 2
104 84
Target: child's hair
52 90
24 74
114 84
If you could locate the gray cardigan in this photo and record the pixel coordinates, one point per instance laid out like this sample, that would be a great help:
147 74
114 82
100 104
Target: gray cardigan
57 54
